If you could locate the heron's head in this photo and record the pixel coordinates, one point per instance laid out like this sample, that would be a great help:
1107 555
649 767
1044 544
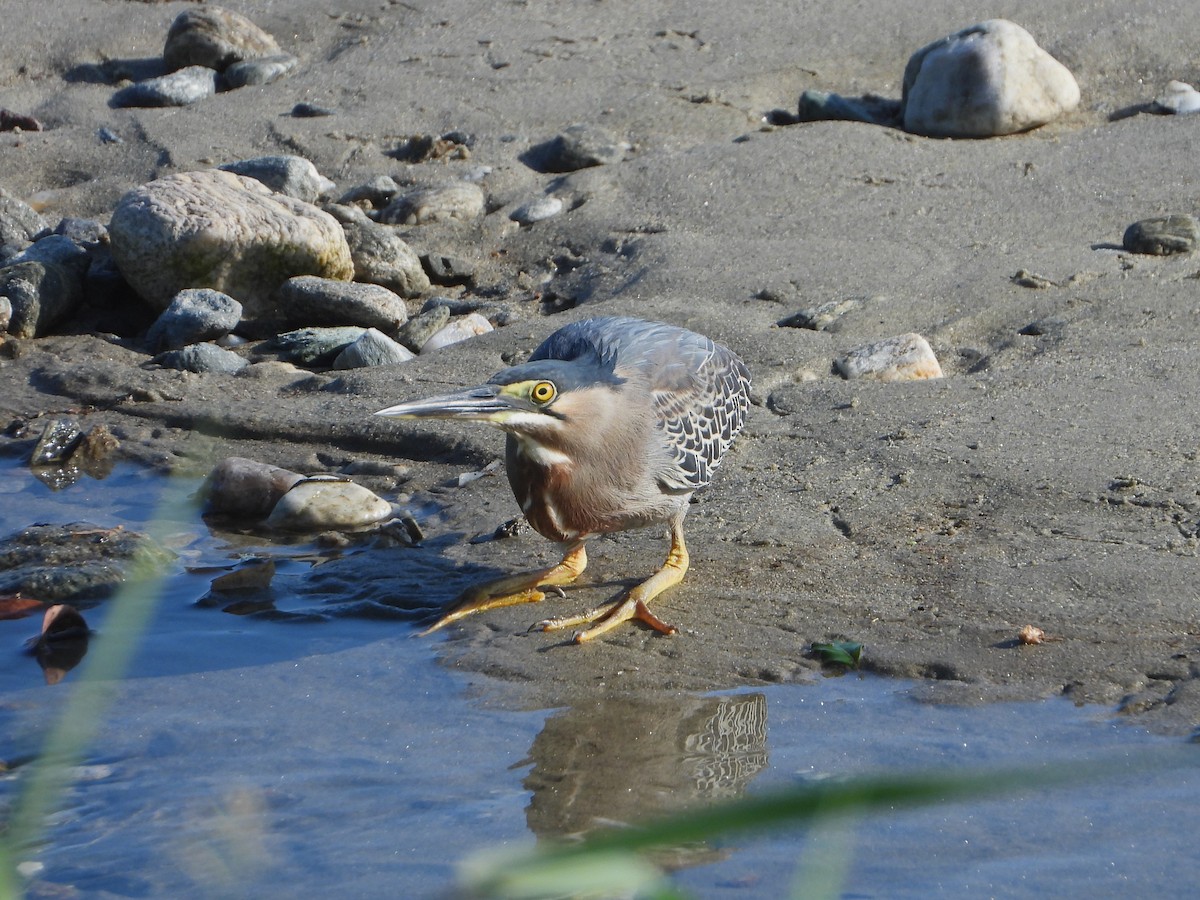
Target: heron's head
544 400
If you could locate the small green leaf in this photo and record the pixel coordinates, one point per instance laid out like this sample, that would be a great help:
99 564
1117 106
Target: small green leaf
845 653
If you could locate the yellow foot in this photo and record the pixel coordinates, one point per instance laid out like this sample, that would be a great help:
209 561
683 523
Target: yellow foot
606 618
633 604
514 589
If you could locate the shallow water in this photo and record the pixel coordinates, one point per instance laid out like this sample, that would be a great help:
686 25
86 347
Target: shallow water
247 756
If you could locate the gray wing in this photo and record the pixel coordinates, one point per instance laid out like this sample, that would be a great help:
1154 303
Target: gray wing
700 389
701 410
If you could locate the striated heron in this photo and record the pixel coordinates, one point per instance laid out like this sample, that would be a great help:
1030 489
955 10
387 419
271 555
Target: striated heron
612 424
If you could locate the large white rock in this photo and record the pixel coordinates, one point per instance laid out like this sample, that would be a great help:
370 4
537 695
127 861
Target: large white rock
222 231
989 79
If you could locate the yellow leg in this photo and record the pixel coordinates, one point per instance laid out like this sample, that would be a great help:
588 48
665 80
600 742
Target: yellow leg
515 589
634 604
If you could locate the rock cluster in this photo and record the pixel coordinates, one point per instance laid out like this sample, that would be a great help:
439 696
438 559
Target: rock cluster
209 49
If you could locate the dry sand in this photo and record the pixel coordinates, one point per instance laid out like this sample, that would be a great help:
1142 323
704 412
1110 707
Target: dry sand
1049 479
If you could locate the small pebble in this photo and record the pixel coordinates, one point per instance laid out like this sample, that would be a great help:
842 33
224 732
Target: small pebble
1178 98
182 88
537 210
39 295
106 135
58 441
19 222
582 146
377 192
245 487
448 271
294 176
1031 634
906 357
819 318
319 504
203 358
194 315
469 326
460 201
1162 236
259 71
373 348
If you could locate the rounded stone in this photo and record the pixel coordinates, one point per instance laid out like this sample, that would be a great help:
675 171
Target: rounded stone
1162 236
215 37
197 314
245 487
223 231
382 257
459 201
372 348
309 300
469 326
906 357
989 79
316 504
294 176
259 71
203 359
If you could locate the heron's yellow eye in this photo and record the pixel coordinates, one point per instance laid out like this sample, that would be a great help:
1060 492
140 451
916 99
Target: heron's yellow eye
543 392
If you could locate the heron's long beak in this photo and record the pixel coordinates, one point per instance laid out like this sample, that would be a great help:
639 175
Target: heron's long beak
483 403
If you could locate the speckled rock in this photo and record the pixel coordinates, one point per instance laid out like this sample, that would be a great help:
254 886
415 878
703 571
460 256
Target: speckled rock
202 359
5 314
309 300
382 257
906 357
1163 236
294 176
315 346
317 504
460 201
469 326
77 561
259 71
40 295
197 314
182 88
223 231
55 250
19 222
372 348
989 79
421 327
215 37
245 487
